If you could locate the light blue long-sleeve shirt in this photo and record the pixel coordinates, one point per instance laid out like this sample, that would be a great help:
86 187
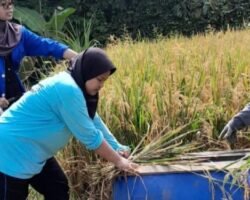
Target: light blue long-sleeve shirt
40 123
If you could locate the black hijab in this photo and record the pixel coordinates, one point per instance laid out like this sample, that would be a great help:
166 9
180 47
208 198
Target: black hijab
87 65
10 35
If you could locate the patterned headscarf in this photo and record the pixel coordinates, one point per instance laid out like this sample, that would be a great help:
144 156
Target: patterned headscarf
10 35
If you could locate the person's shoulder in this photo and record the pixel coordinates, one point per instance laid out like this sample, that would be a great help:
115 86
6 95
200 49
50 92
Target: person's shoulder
68 90
65 78
20 27
66 84
26 31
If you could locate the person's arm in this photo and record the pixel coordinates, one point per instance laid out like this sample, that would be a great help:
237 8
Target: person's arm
69 54
110 137
238 122
74 113
35 45
82 127
244 116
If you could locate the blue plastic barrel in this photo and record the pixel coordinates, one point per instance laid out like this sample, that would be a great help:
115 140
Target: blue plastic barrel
197 181
176 186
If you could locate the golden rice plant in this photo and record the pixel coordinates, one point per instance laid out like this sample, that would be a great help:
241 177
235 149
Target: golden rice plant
161 86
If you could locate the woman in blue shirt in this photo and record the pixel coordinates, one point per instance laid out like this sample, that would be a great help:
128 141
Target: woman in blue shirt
16 42
45 117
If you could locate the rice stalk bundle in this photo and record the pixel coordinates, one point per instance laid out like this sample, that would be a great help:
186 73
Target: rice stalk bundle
164 150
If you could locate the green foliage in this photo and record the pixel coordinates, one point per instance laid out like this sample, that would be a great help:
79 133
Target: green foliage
34 69
30 18
77 35
56 23
37 23
146 18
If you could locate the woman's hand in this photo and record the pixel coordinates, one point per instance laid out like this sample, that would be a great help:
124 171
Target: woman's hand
4 102
106 151
124 154
127 165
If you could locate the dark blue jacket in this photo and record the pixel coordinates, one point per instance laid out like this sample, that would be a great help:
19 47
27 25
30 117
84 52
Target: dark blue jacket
29 45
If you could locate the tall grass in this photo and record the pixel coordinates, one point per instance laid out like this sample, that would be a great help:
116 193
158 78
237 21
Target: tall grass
168 82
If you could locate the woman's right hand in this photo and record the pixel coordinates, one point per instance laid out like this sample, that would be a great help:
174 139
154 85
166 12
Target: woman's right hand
106 151
127 165
4 103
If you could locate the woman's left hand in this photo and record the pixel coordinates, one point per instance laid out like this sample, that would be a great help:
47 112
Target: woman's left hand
124 153
4 102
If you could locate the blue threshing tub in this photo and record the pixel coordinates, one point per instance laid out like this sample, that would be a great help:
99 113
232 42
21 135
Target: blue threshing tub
202 181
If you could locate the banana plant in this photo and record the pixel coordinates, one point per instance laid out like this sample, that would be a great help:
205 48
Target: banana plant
36 22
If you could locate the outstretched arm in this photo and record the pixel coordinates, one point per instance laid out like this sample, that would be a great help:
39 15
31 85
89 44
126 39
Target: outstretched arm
82 127
238 122
244 116
35 45
69 54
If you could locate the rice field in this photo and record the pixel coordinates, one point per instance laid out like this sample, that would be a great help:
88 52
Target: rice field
162 87
171 82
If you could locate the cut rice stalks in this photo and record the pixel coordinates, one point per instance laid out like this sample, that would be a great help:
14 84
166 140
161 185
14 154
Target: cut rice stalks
163 150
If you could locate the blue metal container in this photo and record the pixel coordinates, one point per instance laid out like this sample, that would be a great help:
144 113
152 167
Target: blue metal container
193 183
